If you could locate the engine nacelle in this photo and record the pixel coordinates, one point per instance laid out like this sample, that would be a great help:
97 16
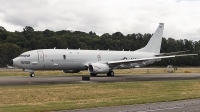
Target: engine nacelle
98 68
71 71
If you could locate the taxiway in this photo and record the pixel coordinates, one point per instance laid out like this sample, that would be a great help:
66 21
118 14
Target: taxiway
26 80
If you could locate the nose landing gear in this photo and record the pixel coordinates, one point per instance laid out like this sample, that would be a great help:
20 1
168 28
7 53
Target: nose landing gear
32 75
30 71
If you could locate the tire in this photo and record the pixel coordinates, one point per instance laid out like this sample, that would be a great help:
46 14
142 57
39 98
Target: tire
32 75
110 73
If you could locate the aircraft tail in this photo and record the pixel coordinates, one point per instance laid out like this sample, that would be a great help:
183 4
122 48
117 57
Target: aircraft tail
154 43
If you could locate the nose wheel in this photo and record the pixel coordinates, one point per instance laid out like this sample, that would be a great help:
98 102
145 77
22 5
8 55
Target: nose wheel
32 75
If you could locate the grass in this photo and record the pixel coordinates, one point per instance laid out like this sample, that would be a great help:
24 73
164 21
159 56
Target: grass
42 98
19 72
155 70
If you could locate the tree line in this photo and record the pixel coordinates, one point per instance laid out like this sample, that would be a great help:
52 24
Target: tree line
13 44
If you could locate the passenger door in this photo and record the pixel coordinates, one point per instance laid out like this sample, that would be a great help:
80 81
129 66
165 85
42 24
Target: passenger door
40 56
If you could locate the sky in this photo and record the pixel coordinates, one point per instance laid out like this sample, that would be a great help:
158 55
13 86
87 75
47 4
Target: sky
181 17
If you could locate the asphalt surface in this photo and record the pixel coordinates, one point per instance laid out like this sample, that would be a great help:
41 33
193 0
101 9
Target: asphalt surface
27 80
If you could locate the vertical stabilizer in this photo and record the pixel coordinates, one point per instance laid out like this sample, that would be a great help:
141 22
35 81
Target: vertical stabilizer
154 43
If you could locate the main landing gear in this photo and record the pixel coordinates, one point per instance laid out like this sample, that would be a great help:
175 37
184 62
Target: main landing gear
110 74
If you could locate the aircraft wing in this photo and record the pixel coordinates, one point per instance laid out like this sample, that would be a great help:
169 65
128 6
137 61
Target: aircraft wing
115 63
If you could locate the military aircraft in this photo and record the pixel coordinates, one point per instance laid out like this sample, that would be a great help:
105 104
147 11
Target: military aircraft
95 61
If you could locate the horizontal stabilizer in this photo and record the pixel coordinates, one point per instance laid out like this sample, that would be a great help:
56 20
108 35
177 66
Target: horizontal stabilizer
171 53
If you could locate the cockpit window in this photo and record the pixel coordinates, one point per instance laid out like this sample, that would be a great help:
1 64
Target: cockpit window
24 55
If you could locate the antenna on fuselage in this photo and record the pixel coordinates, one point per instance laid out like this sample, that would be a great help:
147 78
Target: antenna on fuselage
54 48
122 49
79 49
67 48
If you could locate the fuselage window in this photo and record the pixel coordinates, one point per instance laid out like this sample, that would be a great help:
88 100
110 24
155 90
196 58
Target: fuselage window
64 57
25 62
24 55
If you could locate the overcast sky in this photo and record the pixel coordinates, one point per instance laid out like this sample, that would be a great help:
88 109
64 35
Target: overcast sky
181 17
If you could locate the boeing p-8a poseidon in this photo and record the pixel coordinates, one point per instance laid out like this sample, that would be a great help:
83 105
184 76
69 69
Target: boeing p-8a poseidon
96 61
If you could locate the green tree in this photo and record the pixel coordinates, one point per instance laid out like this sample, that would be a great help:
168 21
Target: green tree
27 31
8 51
2 29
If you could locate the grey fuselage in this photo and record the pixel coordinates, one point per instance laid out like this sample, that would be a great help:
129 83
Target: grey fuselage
69 59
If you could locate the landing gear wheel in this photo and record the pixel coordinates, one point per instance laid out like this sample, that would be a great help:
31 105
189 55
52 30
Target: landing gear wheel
110 73
32 75
93 74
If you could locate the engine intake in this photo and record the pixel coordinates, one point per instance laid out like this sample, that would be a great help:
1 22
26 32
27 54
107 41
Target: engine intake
98 68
